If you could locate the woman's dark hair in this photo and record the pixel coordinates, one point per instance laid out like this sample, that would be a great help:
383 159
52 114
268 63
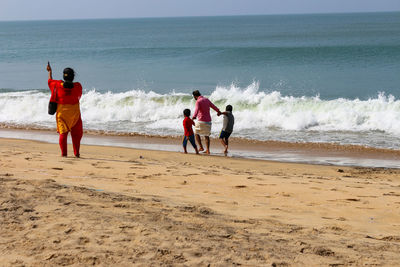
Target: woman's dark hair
186 112
68 75
228 108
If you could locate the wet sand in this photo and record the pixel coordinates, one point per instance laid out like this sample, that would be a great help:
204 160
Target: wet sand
310 153
129 207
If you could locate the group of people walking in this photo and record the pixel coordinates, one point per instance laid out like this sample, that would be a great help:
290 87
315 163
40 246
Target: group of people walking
203 124
67 93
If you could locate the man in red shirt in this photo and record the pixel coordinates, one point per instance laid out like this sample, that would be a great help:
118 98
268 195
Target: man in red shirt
203 123
189 135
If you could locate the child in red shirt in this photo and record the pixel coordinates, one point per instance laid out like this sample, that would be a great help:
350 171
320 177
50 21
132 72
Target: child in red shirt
189 135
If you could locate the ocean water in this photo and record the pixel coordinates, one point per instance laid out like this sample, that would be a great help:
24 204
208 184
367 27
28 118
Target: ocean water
297 78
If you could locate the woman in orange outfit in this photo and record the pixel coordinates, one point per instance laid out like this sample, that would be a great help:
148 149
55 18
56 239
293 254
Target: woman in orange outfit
68 117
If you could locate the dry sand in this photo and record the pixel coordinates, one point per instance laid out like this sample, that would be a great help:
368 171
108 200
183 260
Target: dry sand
127 207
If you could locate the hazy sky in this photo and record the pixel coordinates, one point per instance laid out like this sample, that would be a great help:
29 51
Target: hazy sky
73 9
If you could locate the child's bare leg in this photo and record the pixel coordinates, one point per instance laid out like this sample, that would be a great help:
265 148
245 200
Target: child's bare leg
198 140
184 144
193 142
224 144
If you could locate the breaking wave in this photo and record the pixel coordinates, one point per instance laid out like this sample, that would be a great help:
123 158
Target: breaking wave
257 113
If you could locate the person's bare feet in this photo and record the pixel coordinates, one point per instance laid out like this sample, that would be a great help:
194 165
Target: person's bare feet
201 149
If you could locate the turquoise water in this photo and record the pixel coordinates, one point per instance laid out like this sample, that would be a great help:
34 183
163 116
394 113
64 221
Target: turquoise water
340 55
316 78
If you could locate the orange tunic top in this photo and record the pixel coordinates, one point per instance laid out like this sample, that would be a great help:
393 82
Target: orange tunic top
65 95
68 110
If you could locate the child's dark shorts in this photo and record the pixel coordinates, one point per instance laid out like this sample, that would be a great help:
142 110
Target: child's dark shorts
224 135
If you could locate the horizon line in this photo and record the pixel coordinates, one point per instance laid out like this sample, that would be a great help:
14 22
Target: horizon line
204 16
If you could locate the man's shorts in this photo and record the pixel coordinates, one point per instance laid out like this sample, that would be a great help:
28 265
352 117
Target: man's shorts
202 128
224 135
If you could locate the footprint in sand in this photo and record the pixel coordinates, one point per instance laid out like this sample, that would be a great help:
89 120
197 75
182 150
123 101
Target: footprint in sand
393 194
148 176
7 174
83 240
143 176
190 174
364 208
321 251
391 238
352 199
68 231
82 204
284 194
254 178
214 172
333 228
316 188
105 167
97 163
208 192
133 167
316 182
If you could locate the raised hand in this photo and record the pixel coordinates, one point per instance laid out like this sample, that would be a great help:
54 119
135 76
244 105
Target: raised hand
48 66
49 71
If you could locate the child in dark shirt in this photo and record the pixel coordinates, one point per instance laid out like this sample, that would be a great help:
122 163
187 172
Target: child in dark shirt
189 135
227 127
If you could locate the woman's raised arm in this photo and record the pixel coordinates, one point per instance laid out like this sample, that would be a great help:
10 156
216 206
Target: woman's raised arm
49 71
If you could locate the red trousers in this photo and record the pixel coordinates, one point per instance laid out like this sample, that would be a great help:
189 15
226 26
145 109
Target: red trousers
76 134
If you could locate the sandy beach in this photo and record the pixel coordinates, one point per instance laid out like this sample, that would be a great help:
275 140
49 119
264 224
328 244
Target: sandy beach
130 207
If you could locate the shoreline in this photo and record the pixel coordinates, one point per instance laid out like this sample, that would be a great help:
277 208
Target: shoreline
308 153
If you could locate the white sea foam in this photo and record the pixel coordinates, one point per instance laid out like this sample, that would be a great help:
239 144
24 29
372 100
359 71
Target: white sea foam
262 110
258 114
